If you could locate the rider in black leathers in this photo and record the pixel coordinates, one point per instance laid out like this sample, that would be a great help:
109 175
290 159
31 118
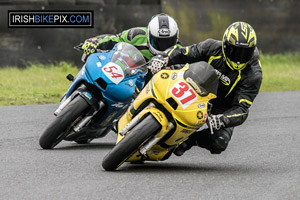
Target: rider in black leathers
236 62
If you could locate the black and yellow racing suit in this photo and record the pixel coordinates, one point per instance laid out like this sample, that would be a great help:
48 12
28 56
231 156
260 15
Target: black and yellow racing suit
237 88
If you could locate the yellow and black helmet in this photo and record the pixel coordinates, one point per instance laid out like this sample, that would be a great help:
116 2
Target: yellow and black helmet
239 42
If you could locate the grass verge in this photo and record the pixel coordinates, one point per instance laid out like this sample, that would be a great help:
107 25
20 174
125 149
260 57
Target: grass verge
41 84
36 84
281 72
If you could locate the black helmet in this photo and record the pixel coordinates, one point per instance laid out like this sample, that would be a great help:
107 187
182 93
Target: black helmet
162 33
239 42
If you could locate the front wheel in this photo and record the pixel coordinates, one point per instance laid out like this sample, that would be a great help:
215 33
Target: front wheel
57 130
131 143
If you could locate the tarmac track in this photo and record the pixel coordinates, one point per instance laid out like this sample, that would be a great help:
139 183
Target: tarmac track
261 162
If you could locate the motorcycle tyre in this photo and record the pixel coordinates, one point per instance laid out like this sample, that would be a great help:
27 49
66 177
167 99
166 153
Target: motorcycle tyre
130 143
54 133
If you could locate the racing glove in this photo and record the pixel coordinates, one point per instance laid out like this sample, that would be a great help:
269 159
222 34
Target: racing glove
218 121
89 47
157 63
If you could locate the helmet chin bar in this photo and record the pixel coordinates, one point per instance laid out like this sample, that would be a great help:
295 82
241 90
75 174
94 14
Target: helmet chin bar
154 51
235 66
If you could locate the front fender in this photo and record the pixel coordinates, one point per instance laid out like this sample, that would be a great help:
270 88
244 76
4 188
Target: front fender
87 96
160 118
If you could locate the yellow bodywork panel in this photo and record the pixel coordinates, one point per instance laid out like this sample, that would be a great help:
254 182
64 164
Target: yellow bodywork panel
188 109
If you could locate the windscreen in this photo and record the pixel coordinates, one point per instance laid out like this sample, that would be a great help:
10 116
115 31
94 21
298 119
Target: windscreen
128 58
204 76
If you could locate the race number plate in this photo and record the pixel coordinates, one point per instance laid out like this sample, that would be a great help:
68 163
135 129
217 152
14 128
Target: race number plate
183 93
114 72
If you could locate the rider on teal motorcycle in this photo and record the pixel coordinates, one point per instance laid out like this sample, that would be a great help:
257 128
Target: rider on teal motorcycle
161 34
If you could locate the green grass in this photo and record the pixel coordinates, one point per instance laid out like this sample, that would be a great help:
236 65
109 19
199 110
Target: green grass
37 84
41 84
281 72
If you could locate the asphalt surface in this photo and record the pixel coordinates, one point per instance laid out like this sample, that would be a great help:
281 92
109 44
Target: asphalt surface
261 162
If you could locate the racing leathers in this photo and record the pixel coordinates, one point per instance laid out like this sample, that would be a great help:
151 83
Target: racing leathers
135 36
236 92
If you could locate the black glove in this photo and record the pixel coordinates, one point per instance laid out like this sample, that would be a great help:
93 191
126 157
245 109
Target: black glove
218 121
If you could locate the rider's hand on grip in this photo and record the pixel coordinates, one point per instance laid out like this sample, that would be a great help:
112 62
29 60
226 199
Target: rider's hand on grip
157 62
216 122
89 47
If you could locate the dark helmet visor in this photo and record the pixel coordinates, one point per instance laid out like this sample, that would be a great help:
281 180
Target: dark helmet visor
162 43
238 54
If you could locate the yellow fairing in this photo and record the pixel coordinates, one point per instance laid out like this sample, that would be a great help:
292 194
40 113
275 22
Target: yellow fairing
191 107
189 110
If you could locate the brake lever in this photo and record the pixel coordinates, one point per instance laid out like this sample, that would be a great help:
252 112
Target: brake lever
78 47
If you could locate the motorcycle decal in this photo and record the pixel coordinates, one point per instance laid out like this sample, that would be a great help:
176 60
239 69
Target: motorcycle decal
204 118
158 116
199 114
183 94
201 105
164 75
174 76
114 72
87 95
118 105
102 57
180 74
187 131
130 83
99 64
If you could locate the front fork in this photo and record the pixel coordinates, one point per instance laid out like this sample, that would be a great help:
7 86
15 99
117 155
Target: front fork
96 106
166 127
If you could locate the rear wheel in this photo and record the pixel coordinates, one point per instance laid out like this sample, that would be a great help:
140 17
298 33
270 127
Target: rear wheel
61 125
131 143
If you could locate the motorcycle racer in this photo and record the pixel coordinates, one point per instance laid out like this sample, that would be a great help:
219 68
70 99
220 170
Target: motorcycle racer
236 62
161 34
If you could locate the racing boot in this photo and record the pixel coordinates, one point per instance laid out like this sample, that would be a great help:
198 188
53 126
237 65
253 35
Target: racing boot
186 145
215 143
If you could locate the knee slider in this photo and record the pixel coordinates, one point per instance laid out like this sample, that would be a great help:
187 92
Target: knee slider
220 141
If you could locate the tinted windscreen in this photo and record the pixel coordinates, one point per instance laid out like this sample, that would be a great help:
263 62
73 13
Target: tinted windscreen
128 57
204 76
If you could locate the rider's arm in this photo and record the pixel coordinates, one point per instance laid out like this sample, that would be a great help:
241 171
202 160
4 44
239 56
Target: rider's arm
245 96
107 41
191 54
132 36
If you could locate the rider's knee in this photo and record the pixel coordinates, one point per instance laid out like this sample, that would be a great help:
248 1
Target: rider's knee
220 141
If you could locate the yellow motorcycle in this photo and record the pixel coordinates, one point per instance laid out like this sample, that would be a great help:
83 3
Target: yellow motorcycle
172 106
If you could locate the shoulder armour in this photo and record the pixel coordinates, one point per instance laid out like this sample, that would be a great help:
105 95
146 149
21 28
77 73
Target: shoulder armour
132 33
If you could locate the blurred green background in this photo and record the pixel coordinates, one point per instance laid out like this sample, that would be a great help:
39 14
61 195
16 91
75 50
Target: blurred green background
34 61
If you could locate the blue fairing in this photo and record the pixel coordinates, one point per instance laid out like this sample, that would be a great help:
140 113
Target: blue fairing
116 96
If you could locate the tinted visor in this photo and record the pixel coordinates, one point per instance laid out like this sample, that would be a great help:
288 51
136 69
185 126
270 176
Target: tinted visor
162 43
238 54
